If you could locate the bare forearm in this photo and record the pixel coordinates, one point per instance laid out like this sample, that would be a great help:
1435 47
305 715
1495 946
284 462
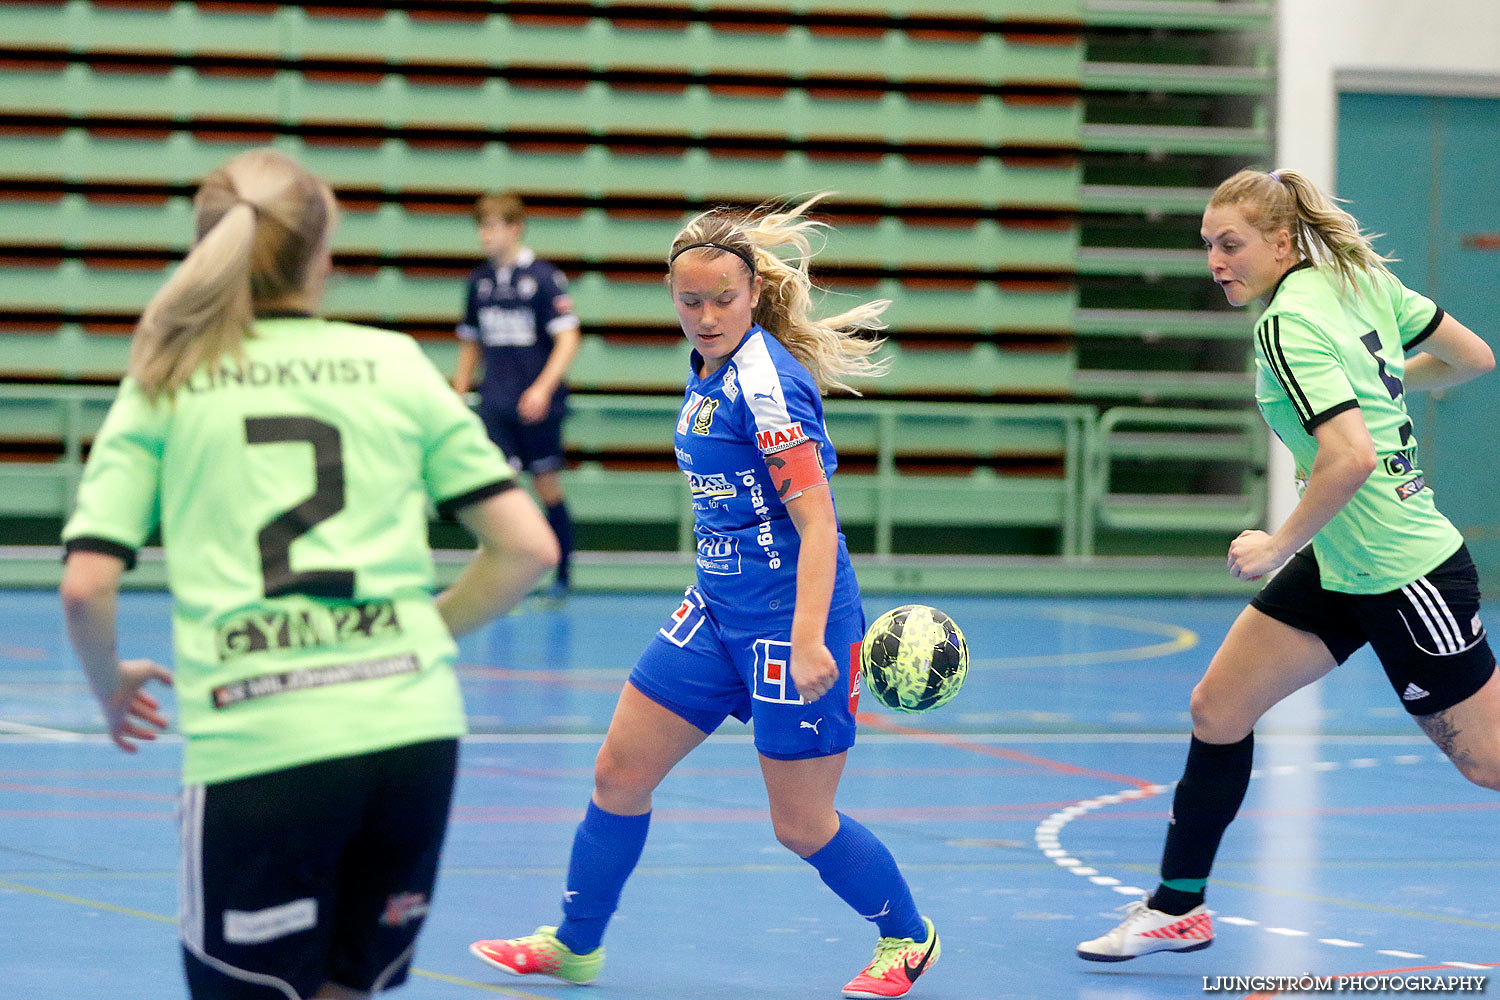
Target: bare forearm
564 350
1426 373
92 632
491 584
516 546
817 563
468 360
1330 486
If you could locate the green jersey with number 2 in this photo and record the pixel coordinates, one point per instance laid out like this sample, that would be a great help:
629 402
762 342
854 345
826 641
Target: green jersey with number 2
291 487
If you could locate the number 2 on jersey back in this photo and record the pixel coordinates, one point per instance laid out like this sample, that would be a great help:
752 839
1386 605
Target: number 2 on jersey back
276 536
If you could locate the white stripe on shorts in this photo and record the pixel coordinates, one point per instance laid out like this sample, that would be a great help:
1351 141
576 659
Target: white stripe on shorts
190 907
1430 606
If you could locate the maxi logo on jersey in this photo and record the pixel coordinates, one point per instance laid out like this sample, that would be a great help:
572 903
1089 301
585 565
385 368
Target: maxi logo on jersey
781 438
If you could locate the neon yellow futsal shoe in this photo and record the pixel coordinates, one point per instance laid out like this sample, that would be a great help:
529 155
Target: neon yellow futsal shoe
897 964
542 954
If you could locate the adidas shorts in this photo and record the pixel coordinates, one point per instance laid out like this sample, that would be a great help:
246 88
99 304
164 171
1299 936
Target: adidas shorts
1427 634
704 671
312 874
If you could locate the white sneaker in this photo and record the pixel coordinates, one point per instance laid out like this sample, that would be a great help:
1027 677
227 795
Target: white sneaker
1145 930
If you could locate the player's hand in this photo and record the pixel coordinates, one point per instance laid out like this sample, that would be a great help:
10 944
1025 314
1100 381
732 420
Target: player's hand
130 712
814 671
1254 554
533 405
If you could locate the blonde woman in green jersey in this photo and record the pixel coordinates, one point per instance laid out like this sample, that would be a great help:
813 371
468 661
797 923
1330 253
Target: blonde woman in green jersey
289 463
1383 566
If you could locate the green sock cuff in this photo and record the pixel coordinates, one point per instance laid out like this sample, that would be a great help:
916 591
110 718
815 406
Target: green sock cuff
1185 884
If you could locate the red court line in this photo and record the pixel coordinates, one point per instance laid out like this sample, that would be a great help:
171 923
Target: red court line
1446 969
23 652
947 739
86 793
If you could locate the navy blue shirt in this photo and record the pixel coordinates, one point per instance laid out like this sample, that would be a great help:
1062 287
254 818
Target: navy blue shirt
513 313
761 402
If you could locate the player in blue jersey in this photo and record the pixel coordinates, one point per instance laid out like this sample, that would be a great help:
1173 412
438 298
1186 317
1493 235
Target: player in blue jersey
771 629
289 463
519 328
1364 557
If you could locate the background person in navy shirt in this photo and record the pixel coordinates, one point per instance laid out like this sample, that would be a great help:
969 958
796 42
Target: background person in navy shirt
519 327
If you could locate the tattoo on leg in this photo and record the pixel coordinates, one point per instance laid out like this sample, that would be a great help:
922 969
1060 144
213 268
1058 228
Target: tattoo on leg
1441 730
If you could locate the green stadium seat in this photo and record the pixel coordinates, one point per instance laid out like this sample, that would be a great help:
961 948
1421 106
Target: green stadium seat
1152 386
1162 140
1155 324
1181 15
992 182
596 235
1258 80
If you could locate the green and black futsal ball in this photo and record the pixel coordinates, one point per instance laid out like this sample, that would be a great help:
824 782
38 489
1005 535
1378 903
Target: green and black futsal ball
914 658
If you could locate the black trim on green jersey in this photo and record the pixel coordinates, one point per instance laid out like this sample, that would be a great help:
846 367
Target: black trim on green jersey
449 508
1437 318
1269 335
1330 413
285 314
103 546
1299 266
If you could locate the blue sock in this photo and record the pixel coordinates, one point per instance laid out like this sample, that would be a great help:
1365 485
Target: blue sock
606 848
859 868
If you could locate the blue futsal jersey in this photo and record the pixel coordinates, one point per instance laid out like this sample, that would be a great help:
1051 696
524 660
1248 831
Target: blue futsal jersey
760 403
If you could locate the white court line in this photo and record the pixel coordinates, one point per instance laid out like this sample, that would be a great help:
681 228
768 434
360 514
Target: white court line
1048 830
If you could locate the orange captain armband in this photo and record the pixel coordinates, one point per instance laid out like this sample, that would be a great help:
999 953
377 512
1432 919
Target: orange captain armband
796 469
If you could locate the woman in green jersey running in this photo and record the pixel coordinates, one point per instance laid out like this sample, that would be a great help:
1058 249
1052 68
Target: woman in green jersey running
289 463
1384 567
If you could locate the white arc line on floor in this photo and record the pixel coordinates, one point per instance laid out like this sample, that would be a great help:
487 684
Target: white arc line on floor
1048 842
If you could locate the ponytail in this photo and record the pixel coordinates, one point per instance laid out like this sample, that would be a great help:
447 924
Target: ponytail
261 221
1320 230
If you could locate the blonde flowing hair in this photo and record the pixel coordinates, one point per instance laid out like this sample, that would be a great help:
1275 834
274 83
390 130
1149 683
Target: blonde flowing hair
832 348
1321 231
261 220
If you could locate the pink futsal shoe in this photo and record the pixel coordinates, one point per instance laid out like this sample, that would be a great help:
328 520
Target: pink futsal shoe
896 965
1145 930
539 954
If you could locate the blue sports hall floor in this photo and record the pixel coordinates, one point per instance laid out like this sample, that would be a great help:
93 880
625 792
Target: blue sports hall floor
1024 813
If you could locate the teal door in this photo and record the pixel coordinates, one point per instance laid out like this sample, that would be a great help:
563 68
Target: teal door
1425 171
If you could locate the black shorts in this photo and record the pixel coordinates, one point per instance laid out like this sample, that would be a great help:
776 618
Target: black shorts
313 874
534 448
1427 634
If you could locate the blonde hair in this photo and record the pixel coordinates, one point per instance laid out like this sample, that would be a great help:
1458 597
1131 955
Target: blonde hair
261 220
504 206
832 348
1320 230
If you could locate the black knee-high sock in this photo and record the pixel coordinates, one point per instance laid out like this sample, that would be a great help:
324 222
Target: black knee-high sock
1208 797
562 527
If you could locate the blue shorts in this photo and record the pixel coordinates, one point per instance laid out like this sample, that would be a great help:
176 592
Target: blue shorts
703 671
532 448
